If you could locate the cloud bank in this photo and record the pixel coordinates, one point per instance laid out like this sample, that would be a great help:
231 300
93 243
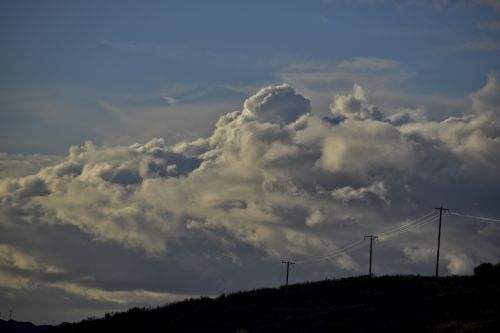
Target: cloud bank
273 181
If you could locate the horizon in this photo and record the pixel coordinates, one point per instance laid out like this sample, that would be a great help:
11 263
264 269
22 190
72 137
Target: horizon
159 151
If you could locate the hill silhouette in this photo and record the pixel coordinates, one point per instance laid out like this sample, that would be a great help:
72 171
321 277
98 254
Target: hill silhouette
357 304
13 326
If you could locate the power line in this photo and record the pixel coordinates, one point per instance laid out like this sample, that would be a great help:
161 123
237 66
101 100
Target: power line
409 224
422 220
476 217
359 244
427 218
351 248
407 228
418 222
332 254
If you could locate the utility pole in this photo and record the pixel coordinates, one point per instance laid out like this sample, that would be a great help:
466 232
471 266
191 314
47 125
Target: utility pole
441 209
10 315
372 237
288 263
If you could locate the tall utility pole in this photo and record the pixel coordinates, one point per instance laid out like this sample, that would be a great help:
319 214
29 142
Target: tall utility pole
441 209
372 237
288 263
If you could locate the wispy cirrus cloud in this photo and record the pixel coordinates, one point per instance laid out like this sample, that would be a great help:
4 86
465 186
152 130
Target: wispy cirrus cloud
484 45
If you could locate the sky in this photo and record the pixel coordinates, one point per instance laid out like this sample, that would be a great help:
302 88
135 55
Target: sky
152 151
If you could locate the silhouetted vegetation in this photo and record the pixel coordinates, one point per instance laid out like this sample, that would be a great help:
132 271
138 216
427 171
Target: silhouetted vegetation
358 304
487 271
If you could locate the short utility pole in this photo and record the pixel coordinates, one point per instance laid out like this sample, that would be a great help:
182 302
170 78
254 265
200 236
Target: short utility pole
372 237
441 210
288 263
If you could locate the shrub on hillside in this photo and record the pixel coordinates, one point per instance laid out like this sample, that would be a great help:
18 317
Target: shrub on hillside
487 270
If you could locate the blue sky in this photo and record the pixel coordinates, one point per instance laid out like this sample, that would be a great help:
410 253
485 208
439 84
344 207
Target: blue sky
63 65
156 150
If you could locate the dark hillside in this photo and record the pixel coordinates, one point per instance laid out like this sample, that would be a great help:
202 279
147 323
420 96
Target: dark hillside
13 326
381 304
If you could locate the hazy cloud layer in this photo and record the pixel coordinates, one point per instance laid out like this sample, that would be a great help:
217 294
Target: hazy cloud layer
114 226
18 165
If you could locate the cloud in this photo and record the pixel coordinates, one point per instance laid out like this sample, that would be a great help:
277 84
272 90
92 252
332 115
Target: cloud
486 100
492 3
315 218
274 180
354 106
134 195
279 104
369 64
440 4
119 297
12 258
18 165
493 26
366 146
482 45
382 81
459 263
328 76
347 193
420 254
